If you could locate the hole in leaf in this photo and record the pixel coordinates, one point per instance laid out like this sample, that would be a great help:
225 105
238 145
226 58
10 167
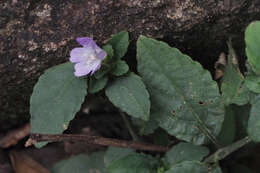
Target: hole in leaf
201 103
174 113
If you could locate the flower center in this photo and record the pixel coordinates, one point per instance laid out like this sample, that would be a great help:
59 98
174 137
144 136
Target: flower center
91 59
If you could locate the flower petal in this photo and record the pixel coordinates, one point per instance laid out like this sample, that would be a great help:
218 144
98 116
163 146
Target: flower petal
80 54
95 67
81 69
84 41
88 59
84 68
101 55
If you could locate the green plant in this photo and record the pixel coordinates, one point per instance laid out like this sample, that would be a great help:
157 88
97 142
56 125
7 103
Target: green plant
170 92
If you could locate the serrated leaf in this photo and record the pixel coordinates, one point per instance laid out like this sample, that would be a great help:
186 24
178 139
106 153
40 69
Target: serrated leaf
252 38
120 68
253 128
232 79
120 44
188 167
185 152
95 85
115 153
56 98
81 164
185 100
228 132
133 163
130 95
253 83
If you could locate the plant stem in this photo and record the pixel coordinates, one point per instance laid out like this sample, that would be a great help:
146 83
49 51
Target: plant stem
96 140
224 152
129 127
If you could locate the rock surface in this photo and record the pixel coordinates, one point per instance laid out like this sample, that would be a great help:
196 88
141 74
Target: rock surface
37 34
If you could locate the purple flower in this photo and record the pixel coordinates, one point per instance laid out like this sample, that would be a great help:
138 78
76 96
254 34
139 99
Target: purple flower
88 58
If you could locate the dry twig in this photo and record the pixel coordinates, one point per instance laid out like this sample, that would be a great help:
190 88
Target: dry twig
97 140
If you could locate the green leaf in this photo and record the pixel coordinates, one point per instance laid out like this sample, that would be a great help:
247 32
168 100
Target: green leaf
232 79
145 127
161 137
184 99
130 95
119 43
253 128
215 169
242 116
253 82
120 68
106 64
102 71
109 50
243 96
185 152
133 163
252 38
188 167
81 164
95 85
228 131
114 153
56 98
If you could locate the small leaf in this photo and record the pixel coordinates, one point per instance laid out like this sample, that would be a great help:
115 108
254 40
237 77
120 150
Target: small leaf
228 132
130 95
253 128
232 79
253 83
81 164
133 163
119 43
120 68
252 38
188 167
114 153
185 152
56 98
95 85
109 50
102 71
185 100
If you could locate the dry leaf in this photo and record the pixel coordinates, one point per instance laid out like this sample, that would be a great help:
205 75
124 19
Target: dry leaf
15 136
219 66
218 74
22 163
